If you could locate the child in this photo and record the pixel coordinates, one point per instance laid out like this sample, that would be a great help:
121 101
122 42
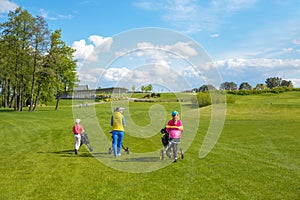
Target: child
77 131
175 129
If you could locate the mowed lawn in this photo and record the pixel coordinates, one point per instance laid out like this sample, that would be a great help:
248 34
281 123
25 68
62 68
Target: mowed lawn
256 157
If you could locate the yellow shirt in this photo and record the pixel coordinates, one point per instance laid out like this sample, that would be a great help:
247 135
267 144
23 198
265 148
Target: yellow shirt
117 122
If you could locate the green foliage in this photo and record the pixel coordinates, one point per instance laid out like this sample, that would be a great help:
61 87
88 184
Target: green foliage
267 90
31 69
216 97
203 99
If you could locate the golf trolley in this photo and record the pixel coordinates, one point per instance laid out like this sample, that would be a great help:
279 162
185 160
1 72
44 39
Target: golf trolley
85 140
168 150
126 149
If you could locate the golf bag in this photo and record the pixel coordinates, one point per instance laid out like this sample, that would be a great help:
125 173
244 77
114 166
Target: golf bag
165 137
85 140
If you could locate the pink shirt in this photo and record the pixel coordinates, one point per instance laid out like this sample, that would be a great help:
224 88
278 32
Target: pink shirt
77 129
174 132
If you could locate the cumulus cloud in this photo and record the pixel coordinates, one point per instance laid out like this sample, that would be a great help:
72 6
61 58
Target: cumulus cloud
87 53
161 52
116 74
6 6
258 62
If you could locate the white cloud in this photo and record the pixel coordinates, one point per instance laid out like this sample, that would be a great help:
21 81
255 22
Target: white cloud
232 5
216 35
87 53
295 82
296 41
161 52
101 42
192 16
116 74
287 50
90 76
6 6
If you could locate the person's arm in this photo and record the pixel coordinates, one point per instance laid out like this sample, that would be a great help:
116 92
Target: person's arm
112 120
180 127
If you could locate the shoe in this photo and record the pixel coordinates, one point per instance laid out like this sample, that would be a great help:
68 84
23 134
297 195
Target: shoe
175 161
75 151
119 154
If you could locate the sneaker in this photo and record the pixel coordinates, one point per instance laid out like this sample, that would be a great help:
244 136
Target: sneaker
175 160
119 154
75 151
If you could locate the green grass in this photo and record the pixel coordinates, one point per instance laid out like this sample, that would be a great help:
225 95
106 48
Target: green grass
256 157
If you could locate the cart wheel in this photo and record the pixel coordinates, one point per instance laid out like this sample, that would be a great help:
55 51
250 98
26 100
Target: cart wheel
181 153
162 154
109 151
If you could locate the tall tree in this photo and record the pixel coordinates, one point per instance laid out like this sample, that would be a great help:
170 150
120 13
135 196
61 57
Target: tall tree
63 64
39 45
16 33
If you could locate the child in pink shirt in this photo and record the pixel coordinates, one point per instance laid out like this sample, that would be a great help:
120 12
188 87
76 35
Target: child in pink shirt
175 129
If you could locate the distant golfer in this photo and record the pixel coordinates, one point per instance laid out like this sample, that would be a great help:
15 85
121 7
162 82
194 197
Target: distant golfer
175 129
77 131
117 122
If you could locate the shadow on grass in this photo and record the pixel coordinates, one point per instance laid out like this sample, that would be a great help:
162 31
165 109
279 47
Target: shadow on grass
140 159
70 153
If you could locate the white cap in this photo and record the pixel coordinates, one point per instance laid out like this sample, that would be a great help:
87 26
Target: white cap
77 121
118 109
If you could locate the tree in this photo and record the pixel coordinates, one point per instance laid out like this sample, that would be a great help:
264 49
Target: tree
286 83
148 88
133 88
205 88
39 44
16 34
30 68
260 86
245 86
228 86
61 61
273 82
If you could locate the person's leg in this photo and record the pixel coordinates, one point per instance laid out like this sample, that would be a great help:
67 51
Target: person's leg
114 142
175 151
120 141
76 143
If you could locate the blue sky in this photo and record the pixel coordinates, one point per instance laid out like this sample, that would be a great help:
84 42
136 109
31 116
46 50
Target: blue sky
246 40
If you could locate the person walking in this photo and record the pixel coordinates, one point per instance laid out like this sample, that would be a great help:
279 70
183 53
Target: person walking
77 131
174 128
117 123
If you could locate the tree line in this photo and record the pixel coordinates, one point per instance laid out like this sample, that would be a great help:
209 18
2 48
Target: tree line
36 65
270 83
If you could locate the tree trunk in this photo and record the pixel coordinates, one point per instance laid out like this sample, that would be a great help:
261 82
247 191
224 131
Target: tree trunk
37 97
33 81
12 102
57 102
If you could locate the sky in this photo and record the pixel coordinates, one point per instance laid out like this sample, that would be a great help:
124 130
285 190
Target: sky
175 42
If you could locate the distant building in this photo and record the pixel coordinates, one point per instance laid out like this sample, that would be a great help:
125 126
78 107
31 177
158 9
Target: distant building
83 92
